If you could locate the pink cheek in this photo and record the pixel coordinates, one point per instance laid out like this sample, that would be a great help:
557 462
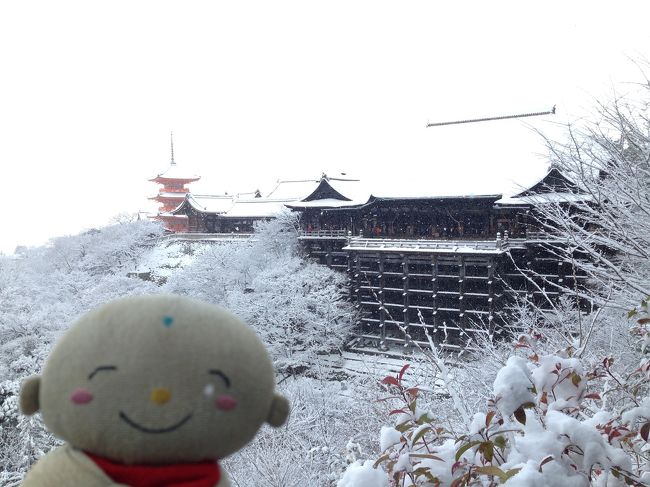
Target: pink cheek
225 402
81 396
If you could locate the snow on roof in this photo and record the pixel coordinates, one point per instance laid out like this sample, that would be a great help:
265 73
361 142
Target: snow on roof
167 214
210 203
405 182
444 197
256 207
300 189
174 172
323 203
543 198
171 195
294 190
350 188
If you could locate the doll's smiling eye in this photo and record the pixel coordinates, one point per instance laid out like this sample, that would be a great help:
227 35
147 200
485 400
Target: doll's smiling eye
100 369
223 376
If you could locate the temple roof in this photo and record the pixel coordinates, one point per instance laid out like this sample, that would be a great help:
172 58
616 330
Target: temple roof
552 182
325 187
173 172
340 193
256 207
205 203
322 203
169 195
554 187
544 198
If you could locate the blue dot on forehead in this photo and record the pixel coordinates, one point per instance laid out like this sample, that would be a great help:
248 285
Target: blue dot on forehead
168 320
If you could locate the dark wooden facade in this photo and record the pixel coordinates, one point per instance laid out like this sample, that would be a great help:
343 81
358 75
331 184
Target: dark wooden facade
449 268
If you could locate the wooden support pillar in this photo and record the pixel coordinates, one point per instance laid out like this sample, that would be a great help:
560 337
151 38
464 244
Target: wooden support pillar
328 253
381 294
358 279
434 288
461 297
491 294
405 289
351 280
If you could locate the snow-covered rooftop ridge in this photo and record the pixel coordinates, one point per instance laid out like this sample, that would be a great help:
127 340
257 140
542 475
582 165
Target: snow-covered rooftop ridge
234 206
208 203
301 189
256 207
324 203
164 194
442 197
544 198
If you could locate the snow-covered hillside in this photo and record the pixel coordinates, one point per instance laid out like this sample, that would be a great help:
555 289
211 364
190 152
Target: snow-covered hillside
297 307
481 419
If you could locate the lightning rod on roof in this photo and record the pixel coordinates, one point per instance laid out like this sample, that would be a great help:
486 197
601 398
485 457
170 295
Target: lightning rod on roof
172 141
489 119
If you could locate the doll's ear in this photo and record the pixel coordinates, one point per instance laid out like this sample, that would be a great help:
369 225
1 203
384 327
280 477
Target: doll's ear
279 411
29 395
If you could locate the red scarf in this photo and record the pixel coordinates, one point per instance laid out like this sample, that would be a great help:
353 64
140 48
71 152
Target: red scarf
202 474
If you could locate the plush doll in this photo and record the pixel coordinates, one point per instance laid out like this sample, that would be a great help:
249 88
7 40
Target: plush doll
151 391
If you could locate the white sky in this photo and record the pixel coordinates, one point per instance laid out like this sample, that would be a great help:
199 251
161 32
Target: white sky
260 90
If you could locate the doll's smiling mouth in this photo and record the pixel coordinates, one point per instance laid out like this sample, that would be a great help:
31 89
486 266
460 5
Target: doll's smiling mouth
144 429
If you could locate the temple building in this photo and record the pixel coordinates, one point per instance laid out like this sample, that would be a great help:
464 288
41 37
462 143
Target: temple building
238 213
172 193
441 267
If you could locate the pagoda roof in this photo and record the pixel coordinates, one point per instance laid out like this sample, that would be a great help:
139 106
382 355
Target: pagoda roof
173 172
170 195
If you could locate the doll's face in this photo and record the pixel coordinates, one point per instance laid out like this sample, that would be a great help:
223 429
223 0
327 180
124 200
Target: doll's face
157 379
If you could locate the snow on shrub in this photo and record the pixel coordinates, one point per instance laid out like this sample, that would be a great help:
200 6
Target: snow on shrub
546 424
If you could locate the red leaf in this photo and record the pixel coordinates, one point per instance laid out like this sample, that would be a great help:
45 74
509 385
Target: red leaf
544 398
488 418
614 434
545 461
413 391
396 411
645 431
456 466
390 380
593 395
520 415
401 372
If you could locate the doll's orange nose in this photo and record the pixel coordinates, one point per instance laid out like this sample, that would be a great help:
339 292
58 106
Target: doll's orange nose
160 395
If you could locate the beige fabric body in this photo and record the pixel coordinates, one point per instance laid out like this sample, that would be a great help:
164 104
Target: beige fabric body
68 467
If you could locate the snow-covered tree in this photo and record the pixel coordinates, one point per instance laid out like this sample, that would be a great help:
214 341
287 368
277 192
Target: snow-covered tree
298 307
42 290
570 405
607 234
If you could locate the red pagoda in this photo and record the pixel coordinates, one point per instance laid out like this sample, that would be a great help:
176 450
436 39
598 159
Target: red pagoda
172 194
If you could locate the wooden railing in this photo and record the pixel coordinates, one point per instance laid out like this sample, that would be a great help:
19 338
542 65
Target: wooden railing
338 234
206 236
385 244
